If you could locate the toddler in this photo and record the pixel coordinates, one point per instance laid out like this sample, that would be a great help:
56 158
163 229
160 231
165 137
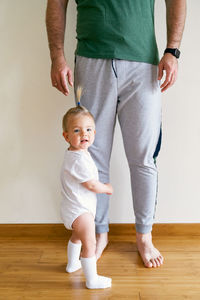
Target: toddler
79 179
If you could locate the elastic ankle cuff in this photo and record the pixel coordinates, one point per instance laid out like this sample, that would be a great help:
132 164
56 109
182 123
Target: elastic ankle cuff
88 258
74 244
143 228
102 228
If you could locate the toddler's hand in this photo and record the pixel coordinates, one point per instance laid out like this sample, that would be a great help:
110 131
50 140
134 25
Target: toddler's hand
110 189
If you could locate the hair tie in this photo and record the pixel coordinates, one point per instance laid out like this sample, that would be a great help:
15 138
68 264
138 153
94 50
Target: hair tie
78 103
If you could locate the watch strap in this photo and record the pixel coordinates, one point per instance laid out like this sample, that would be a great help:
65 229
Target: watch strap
174 51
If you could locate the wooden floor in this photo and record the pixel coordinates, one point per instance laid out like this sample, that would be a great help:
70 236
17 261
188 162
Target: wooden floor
33 260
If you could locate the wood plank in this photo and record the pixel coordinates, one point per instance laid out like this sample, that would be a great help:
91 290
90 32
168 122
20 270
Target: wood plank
79 293
20 256
171 243
179 295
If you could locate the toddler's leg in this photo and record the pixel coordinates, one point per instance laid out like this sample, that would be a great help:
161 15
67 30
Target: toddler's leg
84 228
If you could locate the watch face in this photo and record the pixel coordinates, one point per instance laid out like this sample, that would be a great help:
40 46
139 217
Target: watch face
177 53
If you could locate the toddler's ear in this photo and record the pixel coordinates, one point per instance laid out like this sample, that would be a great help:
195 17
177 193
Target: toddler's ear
65 135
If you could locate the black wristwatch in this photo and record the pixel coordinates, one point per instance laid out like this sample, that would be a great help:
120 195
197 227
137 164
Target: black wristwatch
174 51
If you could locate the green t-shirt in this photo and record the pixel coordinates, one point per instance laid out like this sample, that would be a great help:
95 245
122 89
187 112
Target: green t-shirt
122 29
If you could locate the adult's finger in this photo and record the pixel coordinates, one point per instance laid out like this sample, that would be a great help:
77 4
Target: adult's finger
56 82
70 77
169 84
64 83
167 80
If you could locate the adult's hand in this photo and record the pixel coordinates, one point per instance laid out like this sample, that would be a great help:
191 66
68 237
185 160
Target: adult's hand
61 74
169 64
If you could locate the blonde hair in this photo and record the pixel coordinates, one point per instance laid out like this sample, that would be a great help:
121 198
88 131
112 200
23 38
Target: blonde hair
75 111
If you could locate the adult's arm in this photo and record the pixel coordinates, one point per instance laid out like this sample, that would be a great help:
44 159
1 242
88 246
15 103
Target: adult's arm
55 24
175 14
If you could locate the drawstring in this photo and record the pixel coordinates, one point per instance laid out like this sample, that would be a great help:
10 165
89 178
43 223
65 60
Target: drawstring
114 68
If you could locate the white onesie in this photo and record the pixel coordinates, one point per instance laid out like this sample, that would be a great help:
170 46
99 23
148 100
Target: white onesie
78 167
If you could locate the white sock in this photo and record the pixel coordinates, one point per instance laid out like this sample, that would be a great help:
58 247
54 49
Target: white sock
73 254
93 280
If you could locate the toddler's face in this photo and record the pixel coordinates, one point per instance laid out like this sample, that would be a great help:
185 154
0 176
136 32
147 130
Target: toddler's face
81 132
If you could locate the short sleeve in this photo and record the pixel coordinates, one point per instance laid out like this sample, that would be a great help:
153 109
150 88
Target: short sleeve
82 170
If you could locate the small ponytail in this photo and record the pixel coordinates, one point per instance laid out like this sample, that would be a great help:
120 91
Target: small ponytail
78 95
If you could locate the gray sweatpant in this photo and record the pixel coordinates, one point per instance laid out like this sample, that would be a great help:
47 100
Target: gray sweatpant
129 90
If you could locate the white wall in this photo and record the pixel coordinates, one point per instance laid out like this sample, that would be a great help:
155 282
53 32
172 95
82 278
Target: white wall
32 146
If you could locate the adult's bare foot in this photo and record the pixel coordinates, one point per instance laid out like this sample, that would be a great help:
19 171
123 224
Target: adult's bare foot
149 254
101 243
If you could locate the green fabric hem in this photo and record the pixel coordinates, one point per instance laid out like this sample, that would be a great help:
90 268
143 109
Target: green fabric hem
124 57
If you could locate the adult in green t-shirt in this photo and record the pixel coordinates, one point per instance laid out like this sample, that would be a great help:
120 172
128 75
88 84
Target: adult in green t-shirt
117 65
